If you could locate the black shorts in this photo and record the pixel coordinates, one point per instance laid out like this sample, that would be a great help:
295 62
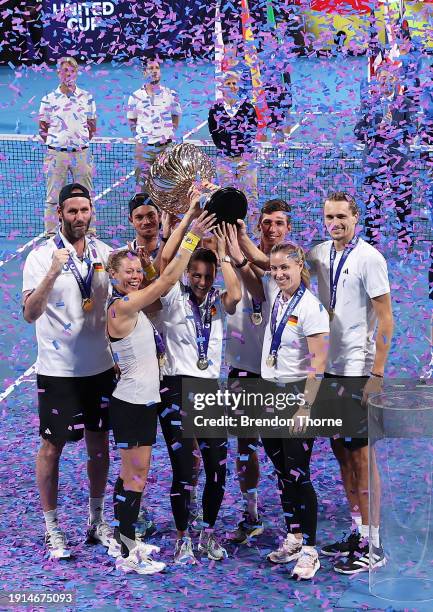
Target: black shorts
354 386
69 405
133 424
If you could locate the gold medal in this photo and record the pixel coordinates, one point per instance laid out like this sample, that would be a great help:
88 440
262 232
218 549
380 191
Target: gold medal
87 304
271 361
162 359
256 318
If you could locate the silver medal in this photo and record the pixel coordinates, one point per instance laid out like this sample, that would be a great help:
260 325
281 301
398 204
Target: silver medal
256 318
271 361
202 363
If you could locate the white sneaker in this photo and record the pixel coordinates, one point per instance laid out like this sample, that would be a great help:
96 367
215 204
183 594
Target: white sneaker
115 549
138 562
307 564
209 545
100 533
57 544
184 552
289 550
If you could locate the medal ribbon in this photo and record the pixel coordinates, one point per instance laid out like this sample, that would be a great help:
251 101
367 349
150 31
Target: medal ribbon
84 284
333 281
202 328
277 332
159 341
257 307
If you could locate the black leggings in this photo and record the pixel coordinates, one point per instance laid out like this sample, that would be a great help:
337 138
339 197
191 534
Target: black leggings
180 450
291 459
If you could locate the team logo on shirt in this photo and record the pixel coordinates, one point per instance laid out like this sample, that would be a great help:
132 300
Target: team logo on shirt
292 320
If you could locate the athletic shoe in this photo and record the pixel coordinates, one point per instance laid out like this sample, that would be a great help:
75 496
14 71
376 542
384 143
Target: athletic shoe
345 547
145 526
289 550
361 561
100 533
247 529
184 552
307 564
115 549
57 544
209 545
138 562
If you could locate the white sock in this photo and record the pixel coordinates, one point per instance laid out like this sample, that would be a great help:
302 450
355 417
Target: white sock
364 531
356 520
51 520
96 509
375 536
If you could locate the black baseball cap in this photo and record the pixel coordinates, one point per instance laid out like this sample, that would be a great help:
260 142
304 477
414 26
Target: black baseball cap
141 199
73 190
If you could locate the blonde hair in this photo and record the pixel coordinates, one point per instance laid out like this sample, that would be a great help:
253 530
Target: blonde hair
67 60
296 253
116 257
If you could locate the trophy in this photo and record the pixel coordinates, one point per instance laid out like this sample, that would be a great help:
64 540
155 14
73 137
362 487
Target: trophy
173 173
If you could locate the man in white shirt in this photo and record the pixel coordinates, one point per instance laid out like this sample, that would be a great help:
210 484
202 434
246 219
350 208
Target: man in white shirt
67 123
65 288
153 113
353 285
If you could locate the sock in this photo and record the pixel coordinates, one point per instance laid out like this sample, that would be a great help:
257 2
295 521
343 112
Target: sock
375 536
96 509
364 531
356 520
128 508
51 520
251 504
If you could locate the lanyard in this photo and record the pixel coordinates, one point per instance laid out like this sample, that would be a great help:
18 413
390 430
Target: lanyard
84 284
333 280
159 341
277 332
202 327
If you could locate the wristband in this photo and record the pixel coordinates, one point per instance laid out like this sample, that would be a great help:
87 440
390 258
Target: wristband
150 272
376 375
242 264
190 242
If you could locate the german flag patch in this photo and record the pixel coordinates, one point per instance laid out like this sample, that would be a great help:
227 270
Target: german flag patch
292 320
213 311
98 267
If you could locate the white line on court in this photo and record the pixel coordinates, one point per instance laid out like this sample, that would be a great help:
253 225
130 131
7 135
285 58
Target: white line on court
31 370
196 129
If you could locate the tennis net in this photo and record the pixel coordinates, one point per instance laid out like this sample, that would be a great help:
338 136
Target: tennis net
302 174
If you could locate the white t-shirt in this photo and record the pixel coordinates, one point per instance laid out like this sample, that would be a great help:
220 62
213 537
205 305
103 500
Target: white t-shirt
67 118
364 276
308 318
154 114
180 335
71 342
244 339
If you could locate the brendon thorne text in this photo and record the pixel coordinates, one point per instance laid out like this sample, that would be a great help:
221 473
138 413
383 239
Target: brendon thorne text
250 407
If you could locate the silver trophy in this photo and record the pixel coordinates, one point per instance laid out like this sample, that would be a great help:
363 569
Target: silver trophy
174 172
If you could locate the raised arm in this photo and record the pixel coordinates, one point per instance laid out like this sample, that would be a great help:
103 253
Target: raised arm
251 281
35 302
136 301
252 253
233 293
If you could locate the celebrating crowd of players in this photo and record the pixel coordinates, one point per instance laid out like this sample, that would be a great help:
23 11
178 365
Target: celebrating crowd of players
118 333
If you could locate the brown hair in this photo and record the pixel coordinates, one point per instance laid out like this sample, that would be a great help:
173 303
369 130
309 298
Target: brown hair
296 253
343 196
275 205
205 255
116 257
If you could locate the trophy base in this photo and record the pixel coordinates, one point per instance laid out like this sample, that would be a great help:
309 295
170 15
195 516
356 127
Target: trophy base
228 204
